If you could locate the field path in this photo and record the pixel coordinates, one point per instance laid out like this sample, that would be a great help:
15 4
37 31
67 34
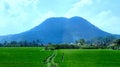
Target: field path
50 60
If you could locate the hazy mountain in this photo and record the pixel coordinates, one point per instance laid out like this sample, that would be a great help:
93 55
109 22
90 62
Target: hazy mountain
59 30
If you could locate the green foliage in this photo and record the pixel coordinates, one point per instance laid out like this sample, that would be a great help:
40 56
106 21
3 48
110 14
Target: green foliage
1 45
81 41
34 43
38 57
103 41
89 47
118 42
62 46
23 56
88 58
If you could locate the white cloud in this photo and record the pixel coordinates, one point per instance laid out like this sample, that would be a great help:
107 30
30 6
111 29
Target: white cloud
100 18
42 17
16 12
112 25
22 15
76 7
106 21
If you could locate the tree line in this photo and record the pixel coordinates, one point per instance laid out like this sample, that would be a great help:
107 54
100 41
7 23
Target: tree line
34 43
96 43
108 42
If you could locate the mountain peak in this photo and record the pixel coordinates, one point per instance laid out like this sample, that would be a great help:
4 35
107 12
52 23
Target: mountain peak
59 30
77 17
53 18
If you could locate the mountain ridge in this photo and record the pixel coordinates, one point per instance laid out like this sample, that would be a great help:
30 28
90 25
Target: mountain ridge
59 30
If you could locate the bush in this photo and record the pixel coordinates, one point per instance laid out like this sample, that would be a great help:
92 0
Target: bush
62 46
65 46
90 47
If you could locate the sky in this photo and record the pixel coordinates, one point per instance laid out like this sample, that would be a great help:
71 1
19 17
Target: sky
17 16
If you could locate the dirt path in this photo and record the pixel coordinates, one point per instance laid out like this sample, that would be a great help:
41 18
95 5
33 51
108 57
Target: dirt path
50 60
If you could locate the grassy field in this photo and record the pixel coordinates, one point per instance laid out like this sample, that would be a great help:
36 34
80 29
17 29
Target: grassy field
88 58
23 57
35 57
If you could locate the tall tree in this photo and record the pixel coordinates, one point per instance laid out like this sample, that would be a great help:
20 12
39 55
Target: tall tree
118 42
1 45
81 41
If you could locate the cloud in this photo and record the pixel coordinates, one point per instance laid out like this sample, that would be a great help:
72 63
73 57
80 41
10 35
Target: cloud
76 7
112 25
101 17
43 17
98 13
106 21
13 11
20 15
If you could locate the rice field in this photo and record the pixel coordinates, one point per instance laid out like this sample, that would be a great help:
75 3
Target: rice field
88 58
23 57
37 57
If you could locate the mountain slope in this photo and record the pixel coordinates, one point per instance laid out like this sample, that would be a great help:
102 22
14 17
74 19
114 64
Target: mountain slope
59 30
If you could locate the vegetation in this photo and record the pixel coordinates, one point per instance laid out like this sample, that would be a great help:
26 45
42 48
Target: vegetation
88 58
38 57
96 43
98 52
23 57
34 43
62 46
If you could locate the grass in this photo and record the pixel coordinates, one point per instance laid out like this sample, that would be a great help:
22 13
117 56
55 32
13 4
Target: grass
88 58
36 57
23 57
50 60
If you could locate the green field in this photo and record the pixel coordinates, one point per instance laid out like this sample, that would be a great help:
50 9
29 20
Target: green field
88 58
23 57
35 57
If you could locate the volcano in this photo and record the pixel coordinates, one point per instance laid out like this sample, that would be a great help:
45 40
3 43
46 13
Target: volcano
59 30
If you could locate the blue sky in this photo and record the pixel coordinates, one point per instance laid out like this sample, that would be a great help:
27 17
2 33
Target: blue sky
17 16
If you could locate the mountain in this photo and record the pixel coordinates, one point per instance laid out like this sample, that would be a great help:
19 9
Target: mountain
59 30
